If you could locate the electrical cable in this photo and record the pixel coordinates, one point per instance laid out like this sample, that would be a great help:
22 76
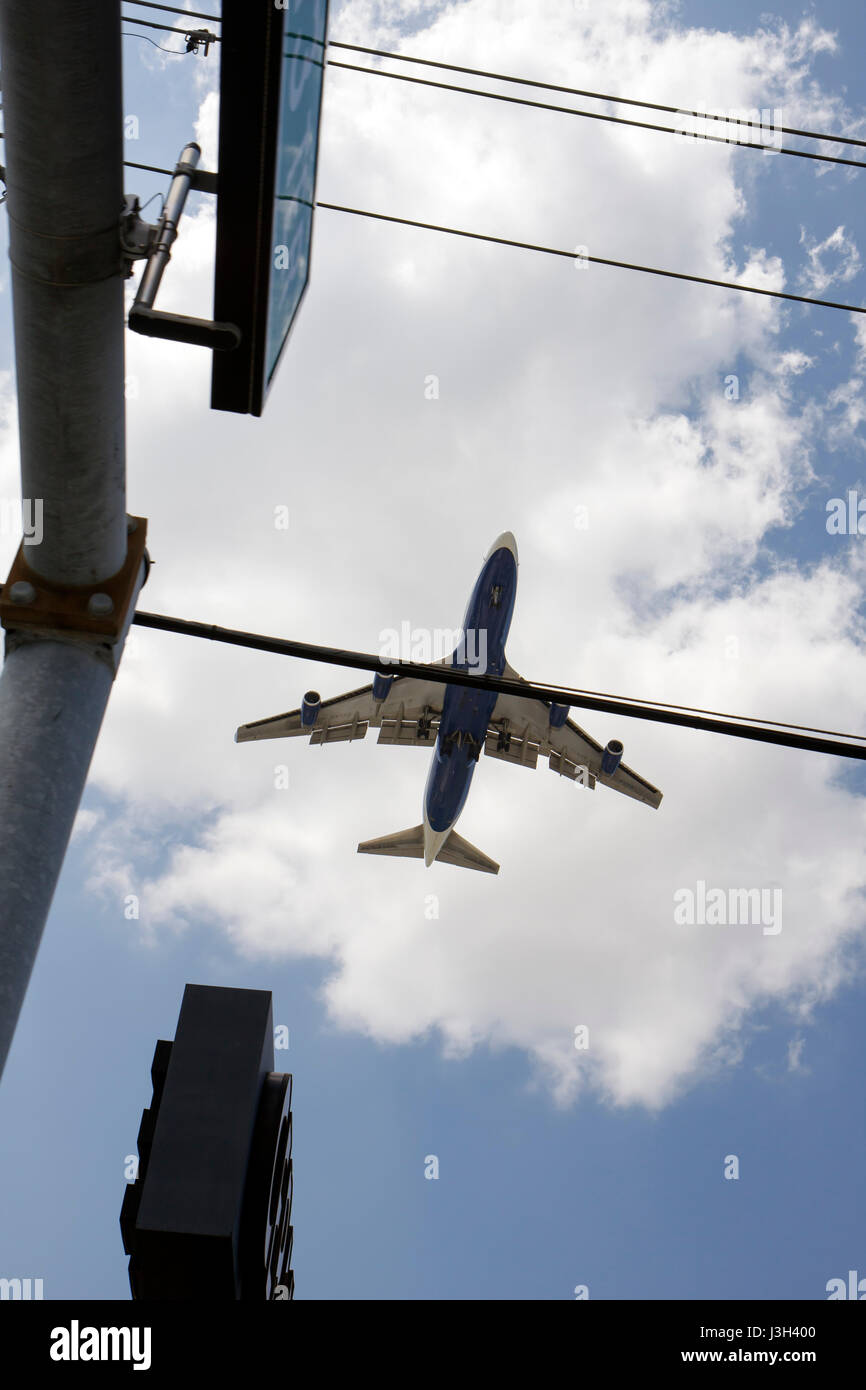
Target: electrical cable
149 168
175 52
173 9
161 197
785 735
712 713
599 116
597 260
167 29
713 721
583 92
571 255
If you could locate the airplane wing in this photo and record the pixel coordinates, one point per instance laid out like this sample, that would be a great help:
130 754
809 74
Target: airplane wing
520 732
408 717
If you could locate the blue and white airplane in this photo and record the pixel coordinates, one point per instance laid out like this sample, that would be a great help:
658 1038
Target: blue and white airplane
459 722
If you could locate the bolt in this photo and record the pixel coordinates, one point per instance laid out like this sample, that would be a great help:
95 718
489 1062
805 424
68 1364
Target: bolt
22 593
100 605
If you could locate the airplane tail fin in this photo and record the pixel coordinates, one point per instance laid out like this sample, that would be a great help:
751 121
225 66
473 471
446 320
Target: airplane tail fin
409 844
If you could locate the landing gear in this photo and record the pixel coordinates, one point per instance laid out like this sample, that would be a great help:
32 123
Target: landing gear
449 742
473 748
461 739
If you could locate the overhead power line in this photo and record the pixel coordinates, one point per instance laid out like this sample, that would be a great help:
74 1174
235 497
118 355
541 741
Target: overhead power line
149 168
764 731
597 260
569 255
712 713
600 116
173 9
166 28
584 92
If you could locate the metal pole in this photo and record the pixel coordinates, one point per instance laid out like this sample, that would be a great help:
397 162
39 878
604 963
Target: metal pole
166 232
63 122
52 699
64 152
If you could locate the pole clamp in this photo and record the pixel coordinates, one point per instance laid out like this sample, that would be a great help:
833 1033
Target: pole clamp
83 613
137 237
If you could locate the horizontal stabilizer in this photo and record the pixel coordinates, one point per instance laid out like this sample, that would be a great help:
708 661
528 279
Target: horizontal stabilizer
458 851
406 844
409 844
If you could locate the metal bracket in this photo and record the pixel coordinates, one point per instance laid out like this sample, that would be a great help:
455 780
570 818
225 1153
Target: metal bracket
98 613
143 317
183 328
137 237
204 181
196 37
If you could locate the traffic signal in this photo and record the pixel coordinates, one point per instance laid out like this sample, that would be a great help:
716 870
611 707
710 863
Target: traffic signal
209 1213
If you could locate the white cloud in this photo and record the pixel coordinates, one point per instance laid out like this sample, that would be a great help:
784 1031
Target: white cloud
207 131
85 822
818 277
795 1054
558 388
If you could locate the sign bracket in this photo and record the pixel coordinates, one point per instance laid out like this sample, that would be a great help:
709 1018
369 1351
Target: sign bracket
155 246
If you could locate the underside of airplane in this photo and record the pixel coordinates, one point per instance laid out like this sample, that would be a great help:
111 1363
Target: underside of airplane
458 723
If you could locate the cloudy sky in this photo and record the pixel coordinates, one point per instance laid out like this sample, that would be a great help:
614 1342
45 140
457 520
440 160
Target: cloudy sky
665 454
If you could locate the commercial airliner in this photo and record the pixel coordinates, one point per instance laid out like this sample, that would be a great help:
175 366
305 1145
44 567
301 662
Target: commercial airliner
459 723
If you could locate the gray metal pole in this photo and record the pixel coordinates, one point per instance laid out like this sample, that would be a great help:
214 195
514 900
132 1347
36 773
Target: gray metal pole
166 231
52 699
63 122
64 152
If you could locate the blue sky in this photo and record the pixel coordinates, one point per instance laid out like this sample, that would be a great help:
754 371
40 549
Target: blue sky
410 1036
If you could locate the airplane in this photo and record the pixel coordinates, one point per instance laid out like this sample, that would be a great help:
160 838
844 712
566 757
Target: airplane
460 722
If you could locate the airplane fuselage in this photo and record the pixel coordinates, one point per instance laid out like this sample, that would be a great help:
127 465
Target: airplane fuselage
466 712
518 726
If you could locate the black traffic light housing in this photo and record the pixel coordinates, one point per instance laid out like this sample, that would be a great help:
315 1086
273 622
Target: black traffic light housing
209 1214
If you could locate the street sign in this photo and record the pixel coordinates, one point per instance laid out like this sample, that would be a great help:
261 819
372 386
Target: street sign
271 69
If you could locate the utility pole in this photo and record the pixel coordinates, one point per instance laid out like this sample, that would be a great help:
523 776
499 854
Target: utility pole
70 597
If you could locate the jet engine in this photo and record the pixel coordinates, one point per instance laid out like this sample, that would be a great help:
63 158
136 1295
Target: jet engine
558 715
611 757
310 708
381 685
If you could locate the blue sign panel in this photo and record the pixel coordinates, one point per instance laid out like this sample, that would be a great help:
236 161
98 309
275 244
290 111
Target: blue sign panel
295 182
272 59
